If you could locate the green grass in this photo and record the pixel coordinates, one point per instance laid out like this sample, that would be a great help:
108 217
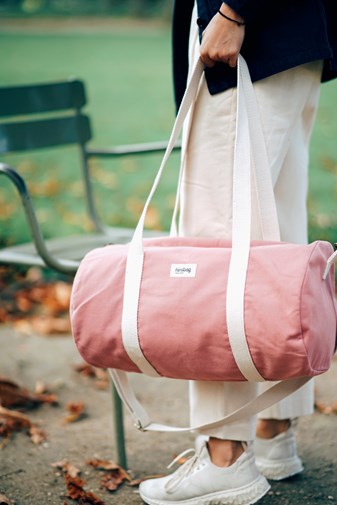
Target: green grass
127 70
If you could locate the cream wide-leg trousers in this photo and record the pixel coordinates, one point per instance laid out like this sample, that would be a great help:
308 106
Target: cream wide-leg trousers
288 102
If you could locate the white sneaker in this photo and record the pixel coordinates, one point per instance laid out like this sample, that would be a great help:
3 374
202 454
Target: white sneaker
277 458
199 482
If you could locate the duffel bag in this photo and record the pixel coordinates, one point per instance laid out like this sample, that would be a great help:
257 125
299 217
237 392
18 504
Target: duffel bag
208 309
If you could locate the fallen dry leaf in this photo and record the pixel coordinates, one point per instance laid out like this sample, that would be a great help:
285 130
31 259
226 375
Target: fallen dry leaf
5 501
37 435
116 476
43 325
74 487
18 417
67 467
100 374
85 369
102 464
34 305
12 395
113 480
76 492
12 421
76 412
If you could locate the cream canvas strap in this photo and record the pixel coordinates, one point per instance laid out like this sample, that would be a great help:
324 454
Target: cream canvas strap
143 421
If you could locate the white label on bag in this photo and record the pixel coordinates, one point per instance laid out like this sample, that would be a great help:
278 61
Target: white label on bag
183 270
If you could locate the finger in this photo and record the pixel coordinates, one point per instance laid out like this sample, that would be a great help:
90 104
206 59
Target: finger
207 60
232 62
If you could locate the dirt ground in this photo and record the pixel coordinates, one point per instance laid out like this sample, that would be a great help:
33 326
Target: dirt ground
26 474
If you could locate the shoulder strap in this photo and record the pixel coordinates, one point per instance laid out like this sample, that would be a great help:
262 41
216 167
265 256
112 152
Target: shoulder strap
143 421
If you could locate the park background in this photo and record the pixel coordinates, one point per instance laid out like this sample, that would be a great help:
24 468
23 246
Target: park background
122 51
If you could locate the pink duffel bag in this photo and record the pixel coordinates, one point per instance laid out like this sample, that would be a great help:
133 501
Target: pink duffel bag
289 312
207 309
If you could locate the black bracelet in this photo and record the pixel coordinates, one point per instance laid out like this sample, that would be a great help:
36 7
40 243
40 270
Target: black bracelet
239 23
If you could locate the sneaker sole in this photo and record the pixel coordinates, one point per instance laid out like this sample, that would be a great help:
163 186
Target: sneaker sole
281 469
245 495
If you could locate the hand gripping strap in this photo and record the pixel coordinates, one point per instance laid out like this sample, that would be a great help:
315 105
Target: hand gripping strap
143 422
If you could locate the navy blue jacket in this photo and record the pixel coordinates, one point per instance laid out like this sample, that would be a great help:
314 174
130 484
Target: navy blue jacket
278 37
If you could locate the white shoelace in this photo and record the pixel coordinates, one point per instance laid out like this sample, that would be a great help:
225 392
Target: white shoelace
184 471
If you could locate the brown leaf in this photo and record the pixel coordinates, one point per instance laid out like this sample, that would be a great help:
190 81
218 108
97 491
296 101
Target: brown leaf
21 420
74 487
11 421
76 412
112 480
85 369
116 476
62 293
76 492
5 501
102 464
23 302
43 305
37 435
12 395
100 374
49 325
67 467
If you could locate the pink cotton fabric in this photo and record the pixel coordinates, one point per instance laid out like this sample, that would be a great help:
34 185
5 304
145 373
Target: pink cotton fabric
290 312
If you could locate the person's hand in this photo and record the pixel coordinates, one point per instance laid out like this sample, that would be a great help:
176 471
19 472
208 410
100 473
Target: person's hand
222 39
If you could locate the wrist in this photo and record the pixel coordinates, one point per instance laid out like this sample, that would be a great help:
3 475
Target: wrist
231 14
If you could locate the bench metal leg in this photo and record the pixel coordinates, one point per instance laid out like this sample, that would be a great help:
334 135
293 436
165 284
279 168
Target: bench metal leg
119 436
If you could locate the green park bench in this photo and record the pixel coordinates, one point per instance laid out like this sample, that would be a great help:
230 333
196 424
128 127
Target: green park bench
47 115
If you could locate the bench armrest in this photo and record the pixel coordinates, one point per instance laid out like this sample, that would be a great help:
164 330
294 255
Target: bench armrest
64 266
124 150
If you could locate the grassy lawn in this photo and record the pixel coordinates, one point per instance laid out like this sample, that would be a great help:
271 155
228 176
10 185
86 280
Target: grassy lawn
127 71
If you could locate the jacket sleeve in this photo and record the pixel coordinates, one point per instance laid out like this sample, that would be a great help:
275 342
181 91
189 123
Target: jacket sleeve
182 14
249 9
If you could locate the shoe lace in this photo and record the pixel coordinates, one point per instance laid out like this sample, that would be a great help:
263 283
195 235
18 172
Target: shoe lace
184 471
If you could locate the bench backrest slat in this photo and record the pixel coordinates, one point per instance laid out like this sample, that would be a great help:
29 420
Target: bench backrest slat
38 134
39 98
